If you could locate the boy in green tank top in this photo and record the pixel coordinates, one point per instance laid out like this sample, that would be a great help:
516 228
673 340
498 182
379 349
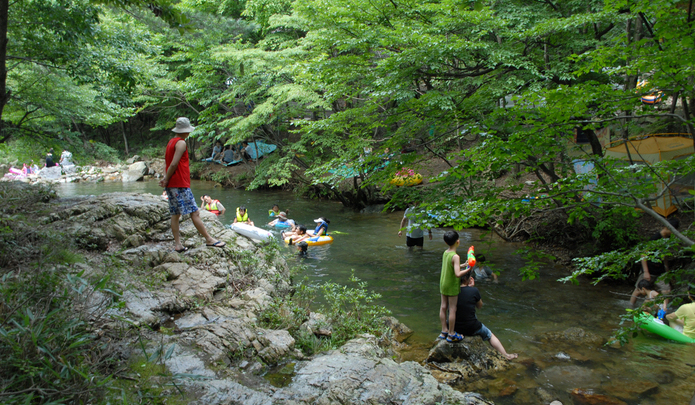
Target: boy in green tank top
449 287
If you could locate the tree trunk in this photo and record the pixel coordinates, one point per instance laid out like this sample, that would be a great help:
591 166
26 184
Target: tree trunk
4 95
125 139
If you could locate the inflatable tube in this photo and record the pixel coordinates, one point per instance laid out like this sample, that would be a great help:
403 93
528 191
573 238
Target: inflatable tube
282 225
316 241
406 181
649 323
651 99
252 232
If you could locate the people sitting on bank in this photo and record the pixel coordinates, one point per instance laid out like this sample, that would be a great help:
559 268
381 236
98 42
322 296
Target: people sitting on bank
66 158
481 272
685 317
299 235
282 221
321 227
49 159
230 155
242 216
217 149
467 322
214 206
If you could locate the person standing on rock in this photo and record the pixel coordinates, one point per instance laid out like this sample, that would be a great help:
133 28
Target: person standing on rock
49 159
467 323
177 184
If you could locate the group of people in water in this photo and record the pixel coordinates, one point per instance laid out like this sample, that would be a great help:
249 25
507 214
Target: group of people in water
459 297
295 234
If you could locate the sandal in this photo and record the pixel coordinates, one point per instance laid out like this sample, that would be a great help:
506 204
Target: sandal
442 335
456 337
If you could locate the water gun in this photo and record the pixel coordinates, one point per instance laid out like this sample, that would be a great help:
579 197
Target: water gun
471 257
661 314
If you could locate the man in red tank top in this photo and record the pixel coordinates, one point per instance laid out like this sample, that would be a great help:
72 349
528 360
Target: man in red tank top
177 184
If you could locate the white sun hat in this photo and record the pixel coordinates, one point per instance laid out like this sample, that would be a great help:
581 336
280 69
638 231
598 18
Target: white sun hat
183 126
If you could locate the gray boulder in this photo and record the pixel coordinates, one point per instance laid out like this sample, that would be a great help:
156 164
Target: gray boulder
362 373
50 173
135 172
468 359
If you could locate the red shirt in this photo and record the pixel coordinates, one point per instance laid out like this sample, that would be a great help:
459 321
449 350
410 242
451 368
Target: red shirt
182 176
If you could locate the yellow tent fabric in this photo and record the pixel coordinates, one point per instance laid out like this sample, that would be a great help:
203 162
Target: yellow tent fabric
650 150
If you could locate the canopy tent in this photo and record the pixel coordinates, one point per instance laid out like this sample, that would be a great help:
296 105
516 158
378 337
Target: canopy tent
653 149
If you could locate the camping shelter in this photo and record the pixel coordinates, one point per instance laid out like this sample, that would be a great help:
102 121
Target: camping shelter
652 149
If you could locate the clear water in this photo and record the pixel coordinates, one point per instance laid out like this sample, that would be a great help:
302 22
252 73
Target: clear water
516 311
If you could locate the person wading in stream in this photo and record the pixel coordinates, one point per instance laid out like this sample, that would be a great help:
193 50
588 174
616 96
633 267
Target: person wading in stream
177 184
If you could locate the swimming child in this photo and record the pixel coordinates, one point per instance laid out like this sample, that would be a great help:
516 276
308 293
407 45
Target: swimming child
302 249
449 287
282 221
466 321
242 216
321 228
482 272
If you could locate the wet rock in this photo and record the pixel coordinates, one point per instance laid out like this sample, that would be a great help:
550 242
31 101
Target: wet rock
130 161
544 396
630 389
573 336
471 358
556 402
565 375
588 397
399 330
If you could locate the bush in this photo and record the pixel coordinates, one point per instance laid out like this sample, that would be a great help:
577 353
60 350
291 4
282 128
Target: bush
151 152
48 352
351 311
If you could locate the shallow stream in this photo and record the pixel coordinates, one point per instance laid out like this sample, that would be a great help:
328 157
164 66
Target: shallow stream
650 370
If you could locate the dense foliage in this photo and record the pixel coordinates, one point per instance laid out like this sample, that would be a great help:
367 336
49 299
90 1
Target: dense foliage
493 89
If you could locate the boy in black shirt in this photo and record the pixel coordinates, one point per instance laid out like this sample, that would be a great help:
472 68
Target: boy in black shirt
467 323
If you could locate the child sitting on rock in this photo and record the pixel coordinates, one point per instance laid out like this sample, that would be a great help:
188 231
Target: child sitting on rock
467 323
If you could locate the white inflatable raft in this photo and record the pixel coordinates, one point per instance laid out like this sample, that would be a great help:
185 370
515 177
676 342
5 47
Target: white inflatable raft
252 232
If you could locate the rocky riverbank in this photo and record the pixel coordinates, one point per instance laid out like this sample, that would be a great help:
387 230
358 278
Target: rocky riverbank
199 317
133 169
202 307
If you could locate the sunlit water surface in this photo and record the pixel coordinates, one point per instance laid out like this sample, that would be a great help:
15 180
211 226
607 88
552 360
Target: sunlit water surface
516 311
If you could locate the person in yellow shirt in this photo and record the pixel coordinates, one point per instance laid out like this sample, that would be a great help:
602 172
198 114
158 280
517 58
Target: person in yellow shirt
685 315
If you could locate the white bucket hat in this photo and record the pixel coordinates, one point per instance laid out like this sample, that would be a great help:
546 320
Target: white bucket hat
183 126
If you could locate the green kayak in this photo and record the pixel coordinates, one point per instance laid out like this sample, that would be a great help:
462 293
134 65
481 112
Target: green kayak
649 323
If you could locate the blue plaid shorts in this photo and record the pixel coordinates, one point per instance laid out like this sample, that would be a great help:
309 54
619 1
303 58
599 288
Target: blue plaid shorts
181 201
